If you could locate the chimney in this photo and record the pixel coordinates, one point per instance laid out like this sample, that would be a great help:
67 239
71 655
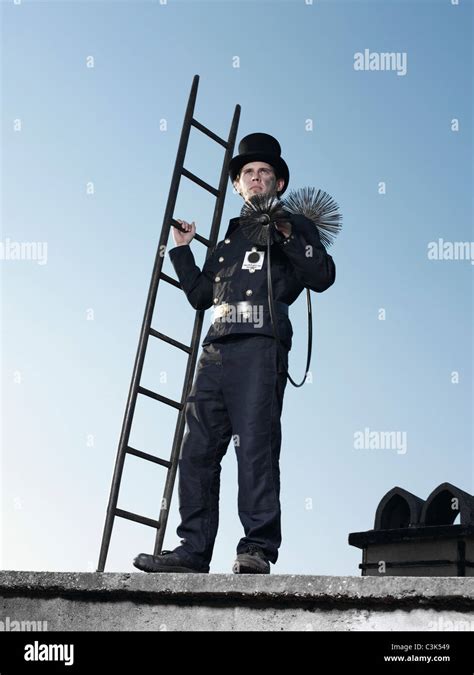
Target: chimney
413 537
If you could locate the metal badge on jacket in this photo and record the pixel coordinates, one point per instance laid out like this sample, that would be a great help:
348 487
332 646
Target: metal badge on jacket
253 260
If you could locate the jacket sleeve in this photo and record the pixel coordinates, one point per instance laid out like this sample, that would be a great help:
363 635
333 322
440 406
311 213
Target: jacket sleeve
197 285
314 267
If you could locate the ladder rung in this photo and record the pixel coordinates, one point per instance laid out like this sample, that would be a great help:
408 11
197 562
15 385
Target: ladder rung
137 519
203 240
158 397
148 457
208 132
200 182
170 341
170 280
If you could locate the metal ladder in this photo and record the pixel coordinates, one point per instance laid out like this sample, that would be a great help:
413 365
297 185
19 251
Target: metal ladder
124 449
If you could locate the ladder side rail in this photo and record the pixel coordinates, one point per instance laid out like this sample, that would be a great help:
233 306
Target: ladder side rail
144 333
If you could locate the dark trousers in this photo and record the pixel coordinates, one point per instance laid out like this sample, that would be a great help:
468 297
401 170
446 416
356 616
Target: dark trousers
237 393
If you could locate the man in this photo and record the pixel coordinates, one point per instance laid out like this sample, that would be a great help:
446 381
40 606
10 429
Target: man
240 382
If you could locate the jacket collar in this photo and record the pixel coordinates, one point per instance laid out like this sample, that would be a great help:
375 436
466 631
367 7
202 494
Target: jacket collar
233 225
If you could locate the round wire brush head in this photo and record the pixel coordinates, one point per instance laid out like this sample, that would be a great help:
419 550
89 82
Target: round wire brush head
319 207
257 216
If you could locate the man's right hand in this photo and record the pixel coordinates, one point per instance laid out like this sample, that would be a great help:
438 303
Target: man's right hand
182 238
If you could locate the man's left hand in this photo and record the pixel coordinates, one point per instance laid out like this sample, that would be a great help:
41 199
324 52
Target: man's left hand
285 227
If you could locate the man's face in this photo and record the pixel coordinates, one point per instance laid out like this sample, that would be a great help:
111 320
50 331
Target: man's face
257 178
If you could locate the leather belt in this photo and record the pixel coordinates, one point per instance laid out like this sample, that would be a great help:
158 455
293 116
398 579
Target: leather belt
244 307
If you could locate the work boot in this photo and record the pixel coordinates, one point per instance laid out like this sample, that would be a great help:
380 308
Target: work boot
167 561
253 561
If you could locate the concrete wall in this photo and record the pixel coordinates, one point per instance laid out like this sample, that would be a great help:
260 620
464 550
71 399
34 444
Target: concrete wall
104 601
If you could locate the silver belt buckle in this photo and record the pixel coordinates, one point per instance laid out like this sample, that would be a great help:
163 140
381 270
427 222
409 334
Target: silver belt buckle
222 310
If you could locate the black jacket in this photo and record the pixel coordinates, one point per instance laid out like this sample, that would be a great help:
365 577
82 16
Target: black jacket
299 262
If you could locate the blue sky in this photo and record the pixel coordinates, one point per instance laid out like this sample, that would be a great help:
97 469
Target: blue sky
71 325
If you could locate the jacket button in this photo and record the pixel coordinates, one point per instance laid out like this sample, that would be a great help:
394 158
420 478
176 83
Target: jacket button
226 241
221 259
249 292
217 279
216 300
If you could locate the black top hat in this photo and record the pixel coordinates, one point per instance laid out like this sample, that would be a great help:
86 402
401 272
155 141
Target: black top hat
260 148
